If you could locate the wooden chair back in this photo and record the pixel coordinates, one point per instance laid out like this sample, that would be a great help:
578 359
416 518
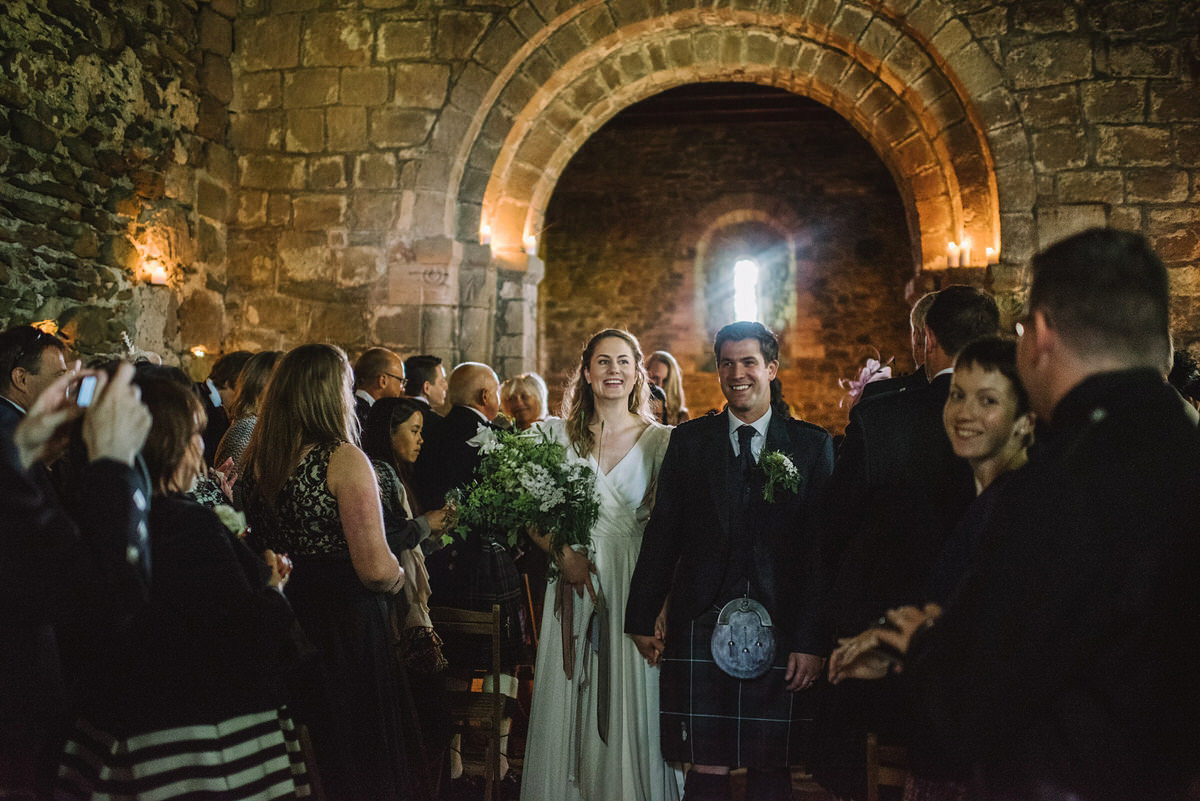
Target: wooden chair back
887 766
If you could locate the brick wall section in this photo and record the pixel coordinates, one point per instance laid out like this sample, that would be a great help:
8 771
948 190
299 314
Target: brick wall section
112 148
619 250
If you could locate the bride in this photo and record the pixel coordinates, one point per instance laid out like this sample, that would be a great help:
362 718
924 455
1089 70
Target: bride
593 727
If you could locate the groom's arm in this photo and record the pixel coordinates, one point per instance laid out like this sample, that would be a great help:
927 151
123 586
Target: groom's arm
809 634
661 543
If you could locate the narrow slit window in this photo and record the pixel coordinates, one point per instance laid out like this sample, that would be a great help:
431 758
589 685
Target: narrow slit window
745 290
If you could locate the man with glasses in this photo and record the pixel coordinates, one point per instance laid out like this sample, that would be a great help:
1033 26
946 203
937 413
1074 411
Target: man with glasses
30 361
378 373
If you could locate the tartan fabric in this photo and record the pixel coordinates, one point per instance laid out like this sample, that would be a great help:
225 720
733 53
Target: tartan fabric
491 577
711 718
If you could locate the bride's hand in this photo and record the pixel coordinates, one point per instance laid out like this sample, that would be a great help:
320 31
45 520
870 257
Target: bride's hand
576 569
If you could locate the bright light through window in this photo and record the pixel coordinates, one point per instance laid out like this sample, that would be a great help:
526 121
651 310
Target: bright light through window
745 290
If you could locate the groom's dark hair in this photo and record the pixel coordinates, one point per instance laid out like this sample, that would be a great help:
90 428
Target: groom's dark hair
736 332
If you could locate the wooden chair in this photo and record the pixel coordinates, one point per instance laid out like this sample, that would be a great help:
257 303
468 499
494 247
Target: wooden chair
887 766
472 707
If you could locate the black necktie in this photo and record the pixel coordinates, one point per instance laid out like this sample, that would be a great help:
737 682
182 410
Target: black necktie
745 453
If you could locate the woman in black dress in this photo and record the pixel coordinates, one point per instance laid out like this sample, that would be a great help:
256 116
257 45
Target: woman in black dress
309 491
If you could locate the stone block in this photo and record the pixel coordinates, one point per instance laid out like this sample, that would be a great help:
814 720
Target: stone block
346 128
359 266
952 37
1156 186
317 212
399 329
1125 218
1059 149
1049 61
458 32
1055 223
1114 101
437 331
216 32
257 130
1016 188
305 131
564 44
398 39
279 209
878 39
1172 101
216 76
1187 141
339 39
374 211
210 247
1044 16
212 200
1052 105
1091 186
375 171
260 90
252 208
907 60
340 323
327 172
364 86
421 85
398 127
267 43
308 88
1134 145
270 171
1138 59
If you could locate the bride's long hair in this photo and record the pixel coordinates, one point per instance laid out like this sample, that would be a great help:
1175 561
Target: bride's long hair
579 403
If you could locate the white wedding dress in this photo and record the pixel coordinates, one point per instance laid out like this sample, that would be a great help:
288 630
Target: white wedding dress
565 759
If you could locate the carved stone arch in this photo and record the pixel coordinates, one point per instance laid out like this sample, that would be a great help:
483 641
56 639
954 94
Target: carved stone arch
909 83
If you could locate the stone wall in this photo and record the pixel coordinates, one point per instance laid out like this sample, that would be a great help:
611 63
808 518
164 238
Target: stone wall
810 200
115 171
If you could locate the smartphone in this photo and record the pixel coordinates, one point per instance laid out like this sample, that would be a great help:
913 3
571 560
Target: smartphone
87 391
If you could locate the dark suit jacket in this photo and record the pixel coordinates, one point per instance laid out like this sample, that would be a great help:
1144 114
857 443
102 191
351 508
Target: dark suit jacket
362 410
446 460
901 383
1067 658
687 542
896 493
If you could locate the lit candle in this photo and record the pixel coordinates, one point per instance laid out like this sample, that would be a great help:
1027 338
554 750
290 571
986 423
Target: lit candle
485 234
199 352
158 274
992 258
531 245
964 252
951 254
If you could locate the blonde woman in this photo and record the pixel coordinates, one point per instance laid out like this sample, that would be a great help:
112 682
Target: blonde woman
608 425
524 399
311 493
664 373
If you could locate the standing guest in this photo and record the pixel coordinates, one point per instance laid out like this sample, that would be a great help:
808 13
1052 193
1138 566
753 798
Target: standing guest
524 399
217 393
310 492
244 409
425 380
896 494
608 426
723 537
917 378
378 373
58 573
31 360
188 698
1064 667
665 374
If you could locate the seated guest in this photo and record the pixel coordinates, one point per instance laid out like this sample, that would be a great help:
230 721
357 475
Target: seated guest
425 379
61 573
378 373
188 698
30 361
523 399
665 374
244 409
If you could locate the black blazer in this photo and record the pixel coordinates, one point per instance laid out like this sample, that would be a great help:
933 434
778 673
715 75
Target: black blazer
446 460
896 493
686 545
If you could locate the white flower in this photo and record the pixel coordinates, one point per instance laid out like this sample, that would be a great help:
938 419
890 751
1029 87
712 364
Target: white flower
232 519
484 439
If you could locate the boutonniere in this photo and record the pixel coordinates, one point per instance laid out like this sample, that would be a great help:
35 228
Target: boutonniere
779 474
232 519
485 439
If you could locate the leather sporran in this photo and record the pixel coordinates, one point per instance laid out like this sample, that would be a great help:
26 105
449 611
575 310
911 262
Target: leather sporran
743 642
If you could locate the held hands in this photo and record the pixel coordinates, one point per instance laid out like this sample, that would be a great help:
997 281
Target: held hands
281 568
224 477
862 657
651 648
802 671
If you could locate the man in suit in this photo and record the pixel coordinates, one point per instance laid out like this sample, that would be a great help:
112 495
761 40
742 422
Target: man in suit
31 361
1065 666
425 380
917 378
378 373
713 538
896 494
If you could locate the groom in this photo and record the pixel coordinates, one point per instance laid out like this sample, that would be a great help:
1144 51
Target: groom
714 538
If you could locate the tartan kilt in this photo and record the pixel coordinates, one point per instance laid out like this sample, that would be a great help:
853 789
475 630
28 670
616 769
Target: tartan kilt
480 574
710 718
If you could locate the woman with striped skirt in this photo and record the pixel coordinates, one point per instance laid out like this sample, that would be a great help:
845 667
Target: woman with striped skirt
186 701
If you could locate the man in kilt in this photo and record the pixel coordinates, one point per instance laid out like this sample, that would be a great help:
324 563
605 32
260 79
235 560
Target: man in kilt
726 530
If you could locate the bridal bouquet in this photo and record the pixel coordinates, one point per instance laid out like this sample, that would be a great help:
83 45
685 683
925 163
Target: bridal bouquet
525 482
